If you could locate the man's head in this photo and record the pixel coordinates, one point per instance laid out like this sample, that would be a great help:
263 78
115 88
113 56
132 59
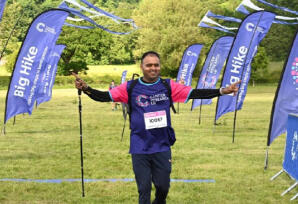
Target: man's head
150 66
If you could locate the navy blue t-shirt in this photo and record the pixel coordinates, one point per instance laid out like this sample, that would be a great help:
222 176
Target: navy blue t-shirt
151 129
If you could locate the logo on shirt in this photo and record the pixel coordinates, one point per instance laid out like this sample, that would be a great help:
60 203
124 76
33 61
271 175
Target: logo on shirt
144 101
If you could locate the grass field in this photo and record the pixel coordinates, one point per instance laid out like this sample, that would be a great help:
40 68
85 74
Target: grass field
46 145
113 70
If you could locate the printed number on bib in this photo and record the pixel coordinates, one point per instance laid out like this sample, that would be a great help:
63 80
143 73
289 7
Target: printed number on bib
156 119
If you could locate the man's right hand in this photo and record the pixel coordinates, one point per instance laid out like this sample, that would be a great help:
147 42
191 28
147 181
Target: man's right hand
79 83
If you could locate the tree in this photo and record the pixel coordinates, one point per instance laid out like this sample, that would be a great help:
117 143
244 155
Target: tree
97 46
161 23
259 66
25 11
169 27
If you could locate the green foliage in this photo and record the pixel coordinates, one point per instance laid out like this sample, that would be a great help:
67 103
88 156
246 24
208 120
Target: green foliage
259 66
4 82
11 59
167 27
279 41
73 66
66 81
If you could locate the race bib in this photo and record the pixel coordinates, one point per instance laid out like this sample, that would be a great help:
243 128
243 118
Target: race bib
155 119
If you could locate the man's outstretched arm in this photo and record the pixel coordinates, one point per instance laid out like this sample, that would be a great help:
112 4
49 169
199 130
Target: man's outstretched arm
102 96
210 93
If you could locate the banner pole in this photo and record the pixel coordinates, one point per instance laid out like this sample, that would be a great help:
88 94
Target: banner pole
289 189
235 112
200 112
266 158
81 141
234 125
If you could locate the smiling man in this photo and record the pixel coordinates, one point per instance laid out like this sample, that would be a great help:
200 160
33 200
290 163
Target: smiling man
150 98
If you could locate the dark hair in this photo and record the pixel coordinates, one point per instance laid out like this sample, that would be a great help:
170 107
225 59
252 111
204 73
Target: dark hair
149 53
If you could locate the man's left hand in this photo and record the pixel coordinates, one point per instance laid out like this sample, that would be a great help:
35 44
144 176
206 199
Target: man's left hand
233 88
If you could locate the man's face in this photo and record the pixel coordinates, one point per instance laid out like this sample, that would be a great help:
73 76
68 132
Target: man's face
150 68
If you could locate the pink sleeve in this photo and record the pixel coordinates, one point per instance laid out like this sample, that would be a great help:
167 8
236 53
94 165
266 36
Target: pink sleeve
119 93
180 93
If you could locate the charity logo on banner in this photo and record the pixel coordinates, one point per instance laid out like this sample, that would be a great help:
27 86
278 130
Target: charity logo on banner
31 61
212 66
47 80
251 32
290 163
188 64
294 72
286 97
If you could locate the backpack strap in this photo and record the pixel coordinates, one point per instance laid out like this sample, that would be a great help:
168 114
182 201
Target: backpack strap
129 91
166 84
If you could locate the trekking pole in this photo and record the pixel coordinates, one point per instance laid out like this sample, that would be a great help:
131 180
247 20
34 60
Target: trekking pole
124 110
81 141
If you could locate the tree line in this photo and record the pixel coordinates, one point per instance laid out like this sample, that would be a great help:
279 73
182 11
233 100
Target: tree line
166 26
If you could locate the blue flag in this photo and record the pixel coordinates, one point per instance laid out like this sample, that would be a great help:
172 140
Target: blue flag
123 77
241 8
290 164
286 97
204 25
225 18
213 64
48 76
79 13
188 64
278 7
41 35
251 32
2 6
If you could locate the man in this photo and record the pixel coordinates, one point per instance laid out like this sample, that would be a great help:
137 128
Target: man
114 105
150 122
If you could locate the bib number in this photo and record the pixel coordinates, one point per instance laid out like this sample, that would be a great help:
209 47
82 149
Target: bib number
155 119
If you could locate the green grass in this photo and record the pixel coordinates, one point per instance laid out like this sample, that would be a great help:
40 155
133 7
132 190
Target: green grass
3 71
46 145
113 70
275 66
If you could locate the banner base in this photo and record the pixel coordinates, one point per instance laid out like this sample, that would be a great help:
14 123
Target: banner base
290 188
276 175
